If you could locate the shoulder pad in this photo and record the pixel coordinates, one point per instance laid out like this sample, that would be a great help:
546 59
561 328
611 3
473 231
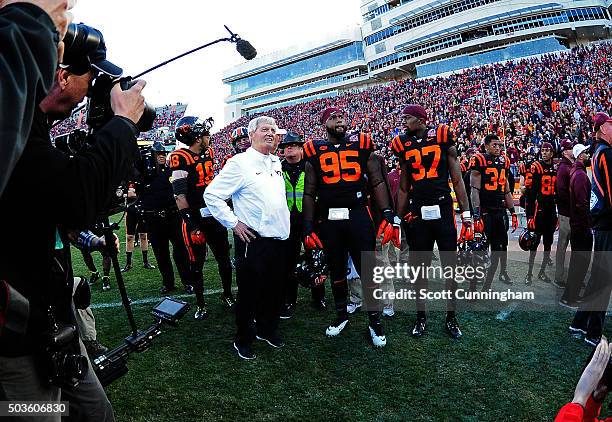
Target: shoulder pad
399 143
365 141
180 158
443 134
309 149
478 160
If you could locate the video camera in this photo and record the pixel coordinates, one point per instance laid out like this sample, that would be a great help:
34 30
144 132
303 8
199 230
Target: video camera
113 364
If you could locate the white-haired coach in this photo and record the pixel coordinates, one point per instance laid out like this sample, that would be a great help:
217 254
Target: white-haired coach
260 221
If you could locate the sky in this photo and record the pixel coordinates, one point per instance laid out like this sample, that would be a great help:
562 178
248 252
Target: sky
139 34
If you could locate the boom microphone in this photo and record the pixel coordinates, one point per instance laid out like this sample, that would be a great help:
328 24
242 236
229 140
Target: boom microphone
246 49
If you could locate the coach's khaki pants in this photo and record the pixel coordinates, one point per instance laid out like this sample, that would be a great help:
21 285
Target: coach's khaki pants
564 238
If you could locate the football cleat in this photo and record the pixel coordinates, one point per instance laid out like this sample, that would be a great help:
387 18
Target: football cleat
388 311
95 276
148 266
419 327
378 336
576 331
166 289
336 327
200 313
453 328
592 341
353 307
528 279
126 268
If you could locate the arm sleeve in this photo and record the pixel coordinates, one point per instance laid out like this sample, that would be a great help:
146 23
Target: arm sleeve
310 192
377 176
82 185
28 58
228 182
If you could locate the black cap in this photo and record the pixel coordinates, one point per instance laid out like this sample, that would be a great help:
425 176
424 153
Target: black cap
291 138
85 49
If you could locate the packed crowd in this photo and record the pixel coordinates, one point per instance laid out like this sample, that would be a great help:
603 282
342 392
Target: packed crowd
543 99
166 116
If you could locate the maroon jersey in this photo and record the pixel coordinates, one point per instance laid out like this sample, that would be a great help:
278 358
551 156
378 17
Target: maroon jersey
340 170
427 159
199 170
494 174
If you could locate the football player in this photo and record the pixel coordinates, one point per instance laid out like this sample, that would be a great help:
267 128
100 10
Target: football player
192 171
491 196
335 186
428 158
542 210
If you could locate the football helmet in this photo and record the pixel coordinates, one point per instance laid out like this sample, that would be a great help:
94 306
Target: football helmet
311 269
190 128
239 133
528 240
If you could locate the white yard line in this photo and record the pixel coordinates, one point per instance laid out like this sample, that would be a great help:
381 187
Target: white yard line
153 299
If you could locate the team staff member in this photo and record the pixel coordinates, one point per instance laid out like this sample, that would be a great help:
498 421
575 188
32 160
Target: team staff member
591 314
75 191
260 221
542 211
335 187
428 158
491 197
580 223
30 34
563 206
162 218
293 173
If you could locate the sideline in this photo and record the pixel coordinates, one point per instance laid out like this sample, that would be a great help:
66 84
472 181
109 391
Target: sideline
152 299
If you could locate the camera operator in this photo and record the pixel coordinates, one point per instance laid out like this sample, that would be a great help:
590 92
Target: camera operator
30 34
591 390
49 191
163 220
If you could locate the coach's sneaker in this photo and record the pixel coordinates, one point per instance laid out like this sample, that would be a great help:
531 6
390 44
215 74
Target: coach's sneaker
377 334
419 327
528 279
352 307
543 277
272 339
244 352
505 278
576 331
592 341
200 313
336 327
453 328
95 276
106 283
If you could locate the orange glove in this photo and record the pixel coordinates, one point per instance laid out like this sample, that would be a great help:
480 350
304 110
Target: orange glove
312 241
198 237
389 229
478 226
466 233
531 225
515 223
410 217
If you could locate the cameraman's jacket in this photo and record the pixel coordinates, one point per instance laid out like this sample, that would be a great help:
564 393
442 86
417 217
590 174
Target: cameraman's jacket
49 189
28 60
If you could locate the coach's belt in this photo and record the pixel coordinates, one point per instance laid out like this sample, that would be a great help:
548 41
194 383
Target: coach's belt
338 214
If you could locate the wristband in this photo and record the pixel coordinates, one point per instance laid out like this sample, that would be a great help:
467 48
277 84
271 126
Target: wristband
466 215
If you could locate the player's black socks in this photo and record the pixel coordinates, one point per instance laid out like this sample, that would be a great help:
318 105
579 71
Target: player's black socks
145 257
128 258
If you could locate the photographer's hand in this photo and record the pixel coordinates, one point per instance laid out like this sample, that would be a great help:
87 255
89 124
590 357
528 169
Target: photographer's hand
592 373
129 104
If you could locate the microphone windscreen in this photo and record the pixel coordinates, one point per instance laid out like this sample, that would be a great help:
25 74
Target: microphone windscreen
245 49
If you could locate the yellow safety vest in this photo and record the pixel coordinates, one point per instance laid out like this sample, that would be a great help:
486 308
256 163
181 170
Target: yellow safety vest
295 194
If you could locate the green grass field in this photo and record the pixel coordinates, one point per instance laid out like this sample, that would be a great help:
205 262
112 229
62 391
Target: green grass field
521 369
